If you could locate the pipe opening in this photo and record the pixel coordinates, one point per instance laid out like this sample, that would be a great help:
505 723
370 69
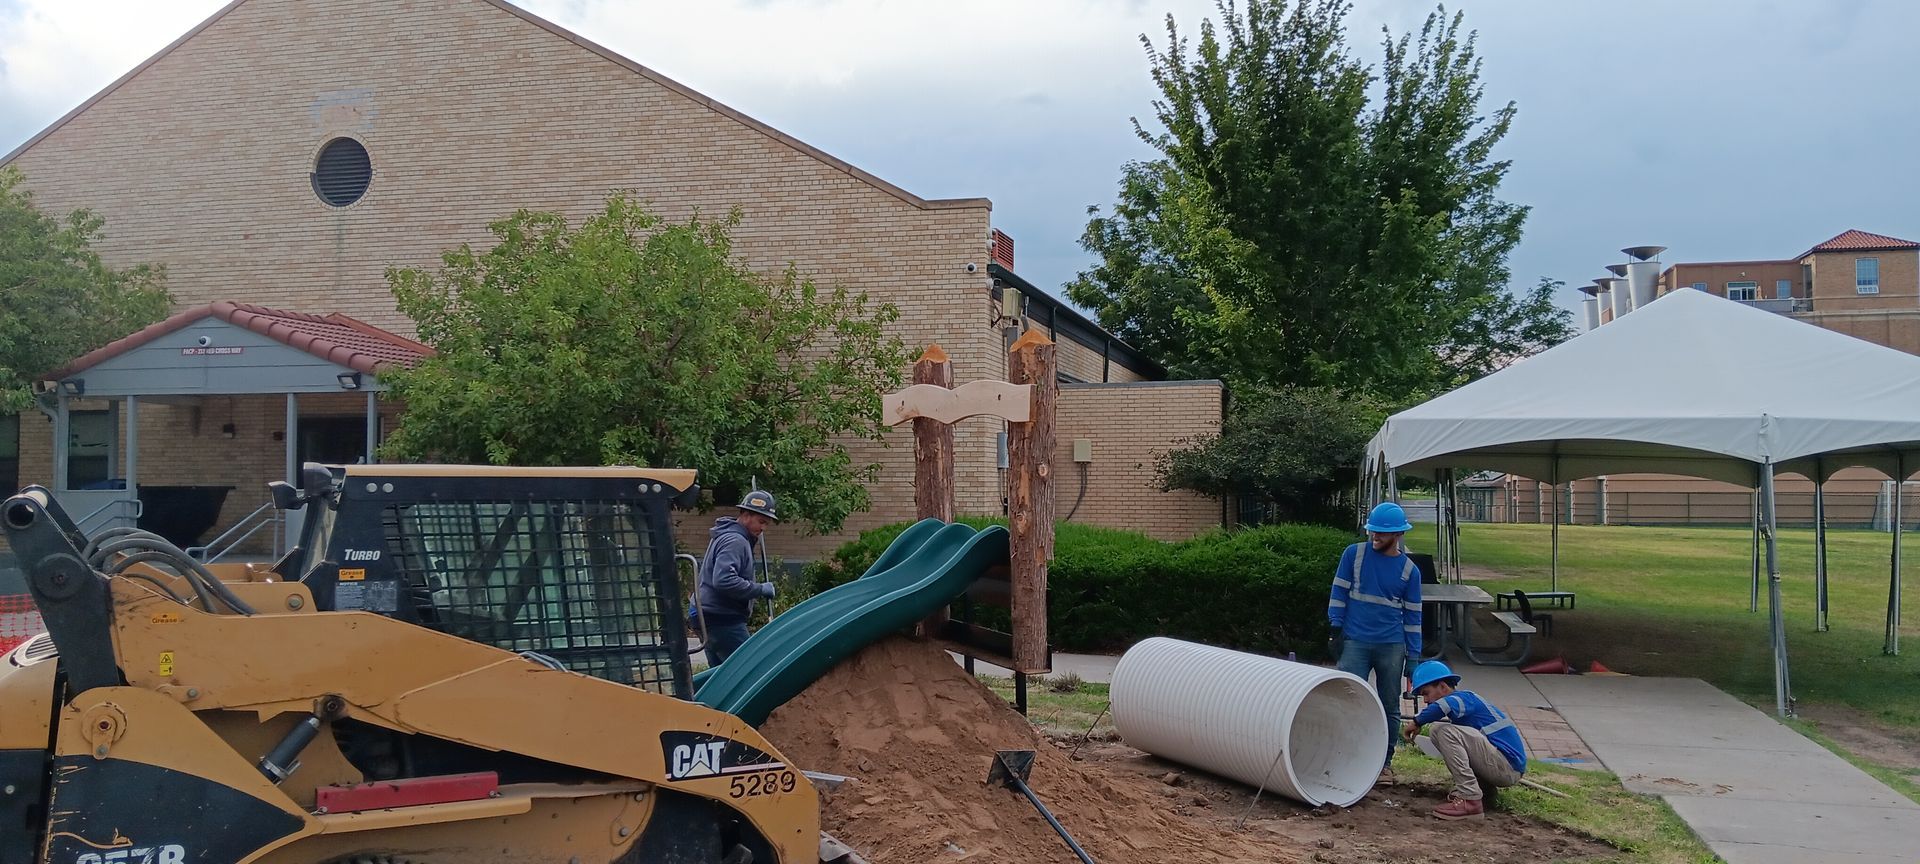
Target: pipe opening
1324 738
20 515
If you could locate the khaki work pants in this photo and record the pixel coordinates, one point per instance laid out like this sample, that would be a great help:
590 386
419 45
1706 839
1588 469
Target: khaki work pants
1472 760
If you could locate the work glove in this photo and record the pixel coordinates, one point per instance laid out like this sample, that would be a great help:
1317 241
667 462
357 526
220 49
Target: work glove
766 589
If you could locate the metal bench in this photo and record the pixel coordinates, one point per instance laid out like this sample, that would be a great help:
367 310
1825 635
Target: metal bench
1559 599
1506 655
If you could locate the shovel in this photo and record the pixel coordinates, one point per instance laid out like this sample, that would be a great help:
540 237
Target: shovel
1010 769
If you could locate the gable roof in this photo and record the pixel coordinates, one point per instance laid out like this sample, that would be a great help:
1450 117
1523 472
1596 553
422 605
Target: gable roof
334 338
1856 240
607 53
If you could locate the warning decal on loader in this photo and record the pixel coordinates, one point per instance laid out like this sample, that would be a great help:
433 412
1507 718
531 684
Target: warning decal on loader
694 755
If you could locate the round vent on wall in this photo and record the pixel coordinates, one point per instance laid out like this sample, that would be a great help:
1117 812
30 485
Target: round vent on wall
342 173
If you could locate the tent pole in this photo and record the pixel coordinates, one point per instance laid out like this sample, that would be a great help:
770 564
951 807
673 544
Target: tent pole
1782 684
1893 584
1819 547
1753 599
1553 577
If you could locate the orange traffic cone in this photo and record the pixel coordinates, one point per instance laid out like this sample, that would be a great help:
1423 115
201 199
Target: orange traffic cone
1556 666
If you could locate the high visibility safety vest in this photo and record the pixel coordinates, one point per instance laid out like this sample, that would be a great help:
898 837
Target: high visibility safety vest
1376 598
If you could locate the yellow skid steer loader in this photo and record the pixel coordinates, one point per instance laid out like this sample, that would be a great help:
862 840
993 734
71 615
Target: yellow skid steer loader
454 665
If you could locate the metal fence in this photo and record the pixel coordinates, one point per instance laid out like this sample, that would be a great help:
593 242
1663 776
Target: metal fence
1872 510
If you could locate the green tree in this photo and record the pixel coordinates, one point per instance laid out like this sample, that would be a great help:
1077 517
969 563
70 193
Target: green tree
1293 231
628 340
58 300
1288 449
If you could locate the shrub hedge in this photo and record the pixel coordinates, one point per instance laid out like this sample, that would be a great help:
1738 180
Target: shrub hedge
1259 589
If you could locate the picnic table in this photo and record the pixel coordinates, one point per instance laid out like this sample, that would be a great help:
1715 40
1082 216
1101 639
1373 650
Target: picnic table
1454 607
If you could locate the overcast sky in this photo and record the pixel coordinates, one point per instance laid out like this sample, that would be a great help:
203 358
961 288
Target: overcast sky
1722 129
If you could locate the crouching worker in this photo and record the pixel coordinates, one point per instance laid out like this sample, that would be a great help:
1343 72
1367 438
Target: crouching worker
1477 741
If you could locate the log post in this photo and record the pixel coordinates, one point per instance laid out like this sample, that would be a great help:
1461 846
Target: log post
933 462
933 444
1030 499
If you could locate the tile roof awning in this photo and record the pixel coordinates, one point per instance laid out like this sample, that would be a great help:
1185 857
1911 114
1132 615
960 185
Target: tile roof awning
1855 240
232 348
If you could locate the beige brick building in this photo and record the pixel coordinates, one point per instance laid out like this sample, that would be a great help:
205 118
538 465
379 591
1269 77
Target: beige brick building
286 153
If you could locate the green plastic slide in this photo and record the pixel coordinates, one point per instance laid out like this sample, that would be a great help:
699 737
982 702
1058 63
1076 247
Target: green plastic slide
929 565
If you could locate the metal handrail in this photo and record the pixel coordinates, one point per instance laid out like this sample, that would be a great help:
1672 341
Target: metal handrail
273 518
696 616
139 509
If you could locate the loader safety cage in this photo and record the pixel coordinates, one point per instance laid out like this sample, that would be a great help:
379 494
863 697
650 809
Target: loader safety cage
575 569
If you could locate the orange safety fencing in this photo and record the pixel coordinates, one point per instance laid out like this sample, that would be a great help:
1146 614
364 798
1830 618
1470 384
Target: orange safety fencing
19 621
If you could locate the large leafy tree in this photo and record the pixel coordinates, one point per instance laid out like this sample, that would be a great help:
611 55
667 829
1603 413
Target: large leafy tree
1312 222
629 340
58 299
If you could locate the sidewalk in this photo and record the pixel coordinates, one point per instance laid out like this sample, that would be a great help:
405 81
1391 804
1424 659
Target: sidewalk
1756 791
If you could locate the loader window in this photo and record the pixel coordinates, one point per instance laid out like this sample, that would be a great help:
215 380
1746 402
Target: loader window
577 581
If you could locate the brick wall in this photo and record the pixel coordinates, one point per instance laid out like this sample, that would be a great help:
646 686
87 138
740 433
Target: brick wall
1834 287
1129 425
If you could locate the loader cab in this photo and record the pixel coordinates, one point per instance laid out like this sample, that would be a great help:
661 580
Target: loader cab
573 566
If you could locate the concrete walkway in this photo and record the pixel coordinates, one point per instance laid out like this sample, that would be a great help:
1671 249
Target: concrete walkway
1092 668
1756 791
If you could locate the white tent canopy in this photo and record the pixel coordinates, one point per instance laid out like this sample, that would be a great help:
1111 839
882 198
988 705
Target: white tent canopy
1689 384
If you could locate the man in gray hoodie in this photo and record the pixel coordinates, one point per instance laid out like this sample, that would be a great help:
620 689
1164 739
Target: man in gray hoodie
727 589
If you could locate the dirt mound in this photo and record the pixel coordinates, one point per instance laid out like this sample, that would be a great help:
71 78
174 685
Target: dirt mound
919 734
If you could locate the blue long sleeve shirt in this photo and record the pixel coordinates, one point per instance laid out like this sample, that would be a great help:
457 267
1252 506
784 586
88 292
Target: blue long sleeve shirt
1466 708
1376 598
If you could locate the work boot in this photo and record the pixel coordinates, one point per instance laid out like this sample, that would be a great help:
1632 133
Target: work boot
1386 776
1459 808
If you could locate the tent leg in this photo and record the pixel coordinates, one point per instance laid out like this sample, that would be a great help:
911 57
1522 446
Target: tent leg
1753 598
1553 577
1820 556
1893 583
1782 683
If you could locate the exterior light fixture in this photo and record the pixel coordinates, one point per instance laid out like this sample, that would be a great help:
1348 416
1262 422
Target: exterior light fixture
74 386
349 380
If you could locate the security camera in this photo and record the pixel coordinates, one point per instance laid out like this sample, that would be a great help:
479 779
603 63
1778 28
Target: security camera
972 267
204 341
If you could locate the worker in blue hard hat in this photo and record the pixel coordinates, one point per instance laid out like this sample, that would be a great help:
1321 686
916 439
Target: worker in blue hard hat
1374 613
1477 741
726 588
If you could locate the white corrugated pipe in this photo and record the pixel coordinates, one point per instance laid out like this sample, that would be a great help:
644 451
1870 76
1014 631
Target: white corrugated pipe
1312 734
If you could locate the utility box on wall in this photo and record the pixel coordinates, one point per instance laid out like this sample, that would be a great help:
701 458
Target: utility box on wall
1083 450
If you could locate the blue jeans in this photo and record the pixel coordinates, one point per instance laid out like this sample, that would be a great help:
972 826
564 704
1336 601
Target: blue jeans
1388 663
723 640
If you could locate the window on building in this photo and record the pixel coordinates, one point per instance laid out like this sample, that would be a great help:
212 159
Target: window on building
90 437
1699 286
1743 290
342 172
10 453
1782 289
1806 277
1866 275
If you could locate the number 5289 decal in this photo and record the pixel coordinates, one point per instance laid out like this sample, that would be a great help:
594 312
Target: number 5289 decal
761 783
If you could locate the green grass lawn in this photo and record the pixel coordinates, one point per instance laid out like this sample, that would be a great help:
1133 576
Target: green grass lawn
1673 601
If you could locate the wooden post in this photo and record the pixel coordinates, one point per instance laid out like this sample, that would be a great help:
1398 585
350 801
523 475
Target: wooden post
1030 499
933 461
933 444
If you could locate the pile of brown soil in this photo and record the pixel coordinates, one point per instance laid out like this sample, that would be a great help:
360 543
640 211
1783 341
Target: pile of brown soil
918 734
